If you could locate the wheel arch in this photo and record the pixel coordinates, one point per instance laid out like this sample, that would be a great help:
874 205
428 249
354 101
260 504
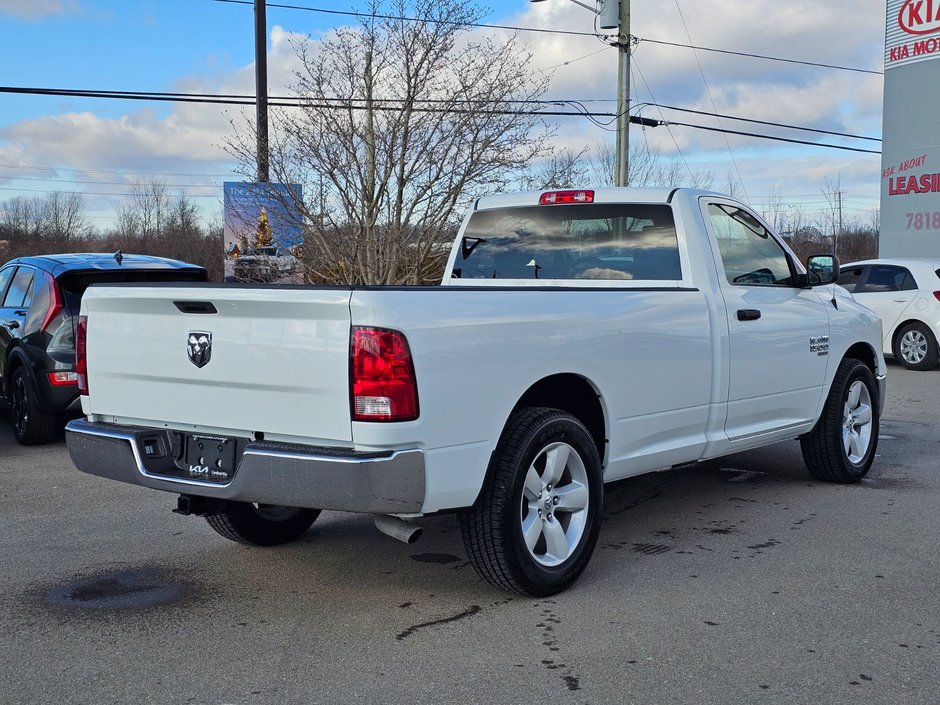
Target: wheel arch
576 395
15 360
900 326
864 353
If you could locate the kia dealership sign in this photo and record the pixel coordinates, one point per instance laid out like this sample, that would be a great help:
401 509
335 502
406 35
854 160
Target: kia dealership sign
913 31
910 161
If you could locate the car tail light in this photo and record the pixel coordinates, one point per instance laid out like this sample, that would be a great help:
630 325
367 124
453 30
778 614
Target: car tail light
936 295
551 198
62 379
55 303
382 376
81 360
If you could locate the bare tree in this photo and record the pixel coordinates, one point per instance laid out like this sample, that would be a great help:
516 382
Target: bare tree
21 218
148 210
563 169
401 123
830 218
63 216
647 167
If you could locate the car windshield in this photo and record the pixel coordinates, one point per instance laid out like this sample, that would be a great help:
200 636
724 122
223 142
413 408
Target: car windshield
578 241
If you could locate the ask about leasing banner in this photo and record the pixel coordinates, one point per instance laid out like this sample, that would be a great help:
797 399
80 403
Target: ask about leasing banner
910 161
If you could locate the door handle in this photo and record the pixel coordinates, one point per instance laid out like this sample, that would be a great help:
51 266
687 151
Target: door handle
900 301
748 314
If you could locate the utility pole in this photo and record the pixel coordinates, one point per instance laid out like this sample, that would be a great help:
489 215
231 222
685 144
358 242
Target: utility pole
261 88
612 14
835 241
622 170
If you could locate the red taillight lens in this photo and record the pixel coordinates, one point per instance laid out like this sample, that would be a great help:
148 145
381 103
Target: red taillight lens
62 379
55 303
382 376
81 361
936 295
551 198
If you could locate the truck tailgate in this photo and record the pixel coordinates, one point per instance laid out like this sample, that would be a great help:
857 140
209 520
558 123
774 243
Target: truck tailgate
278 360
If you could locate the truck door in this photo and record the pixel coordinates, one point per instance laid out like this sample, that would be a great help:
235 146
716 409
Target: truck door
779 333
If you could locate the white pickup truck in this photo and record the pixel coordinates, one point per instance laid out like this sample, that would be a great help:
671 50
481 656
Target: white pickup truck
579 337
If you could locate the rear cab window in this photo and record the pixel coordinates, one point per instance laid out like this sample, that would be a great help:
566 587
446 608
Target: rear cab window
611 242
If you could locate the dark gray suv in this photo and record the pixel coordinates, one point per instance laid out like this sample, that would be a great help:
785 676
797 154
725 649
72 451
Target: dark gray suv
39 302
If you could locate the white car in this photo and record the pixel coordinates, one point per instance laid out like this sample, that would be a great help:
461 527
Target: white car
905 293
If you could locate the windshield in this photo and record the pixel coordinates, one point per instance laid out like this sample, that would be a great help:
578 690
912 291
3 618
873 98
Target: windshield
579 241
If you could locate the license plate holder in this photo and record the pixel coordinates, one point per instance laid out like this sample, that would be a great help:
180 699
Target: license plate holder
209 458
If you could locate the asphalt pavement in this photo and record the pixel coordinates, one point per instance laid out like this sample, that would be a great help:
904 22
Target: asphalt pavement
739 581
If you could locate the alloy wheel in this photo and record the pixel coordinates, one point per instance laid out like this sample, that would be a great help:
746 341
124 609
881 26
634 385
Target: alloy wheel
554 507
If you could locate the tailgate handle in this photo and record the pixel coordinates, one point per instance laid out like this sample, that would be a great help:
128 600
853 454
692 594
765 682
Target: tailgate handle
195 306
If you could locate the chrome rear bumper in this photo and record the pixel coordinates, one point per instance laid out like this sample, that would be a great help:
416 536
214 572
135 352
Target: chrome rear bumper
387 482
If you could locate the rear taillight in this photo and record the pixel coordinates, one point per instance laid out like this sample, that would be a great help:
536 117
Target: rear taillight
936 295
551 198
382 376
81 360
62 379
55 303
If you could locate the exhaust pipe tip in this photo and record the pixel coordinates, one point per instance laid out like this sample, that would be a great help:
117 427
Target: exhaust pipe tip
397 528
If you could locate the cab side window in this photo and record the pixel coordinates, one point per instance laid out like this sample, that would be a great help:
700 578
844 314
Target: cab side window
19 295
750 255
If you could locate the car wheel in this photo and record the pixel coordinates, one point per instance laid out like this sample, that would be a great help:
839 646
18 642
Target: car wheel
534 527
915 347
31 425
841 447
262 524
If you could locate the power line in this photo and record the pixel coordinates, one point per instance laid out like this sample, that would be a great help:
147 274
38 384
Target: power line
330 103
776 139
816 64
374 16
708 91
335 103
769 123
97 193
112 171
485 25
387 104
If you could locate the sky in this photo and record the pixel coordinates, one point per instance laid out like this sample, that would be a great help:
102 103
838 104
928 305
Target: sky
101 147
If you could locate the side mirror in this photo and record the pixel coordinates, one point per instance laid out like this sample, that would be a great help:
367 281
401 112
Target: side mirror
822 269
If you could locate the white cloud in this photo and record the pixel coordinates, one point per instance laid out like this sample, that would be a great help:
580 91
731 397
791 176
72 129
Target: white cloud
36 9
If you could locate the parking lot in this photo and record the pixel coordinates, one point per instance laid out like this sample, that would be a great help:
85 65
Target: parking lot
741 581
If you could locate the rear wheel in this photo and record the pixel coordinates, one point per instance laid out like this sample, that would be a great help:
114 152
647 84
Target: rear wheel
915 347
841 447
262 524
31 425
534 527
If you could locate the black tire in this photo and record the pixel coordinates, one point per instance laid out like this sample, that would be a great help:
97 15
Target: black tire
824 450
262 524
915 347
31 425
493 530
